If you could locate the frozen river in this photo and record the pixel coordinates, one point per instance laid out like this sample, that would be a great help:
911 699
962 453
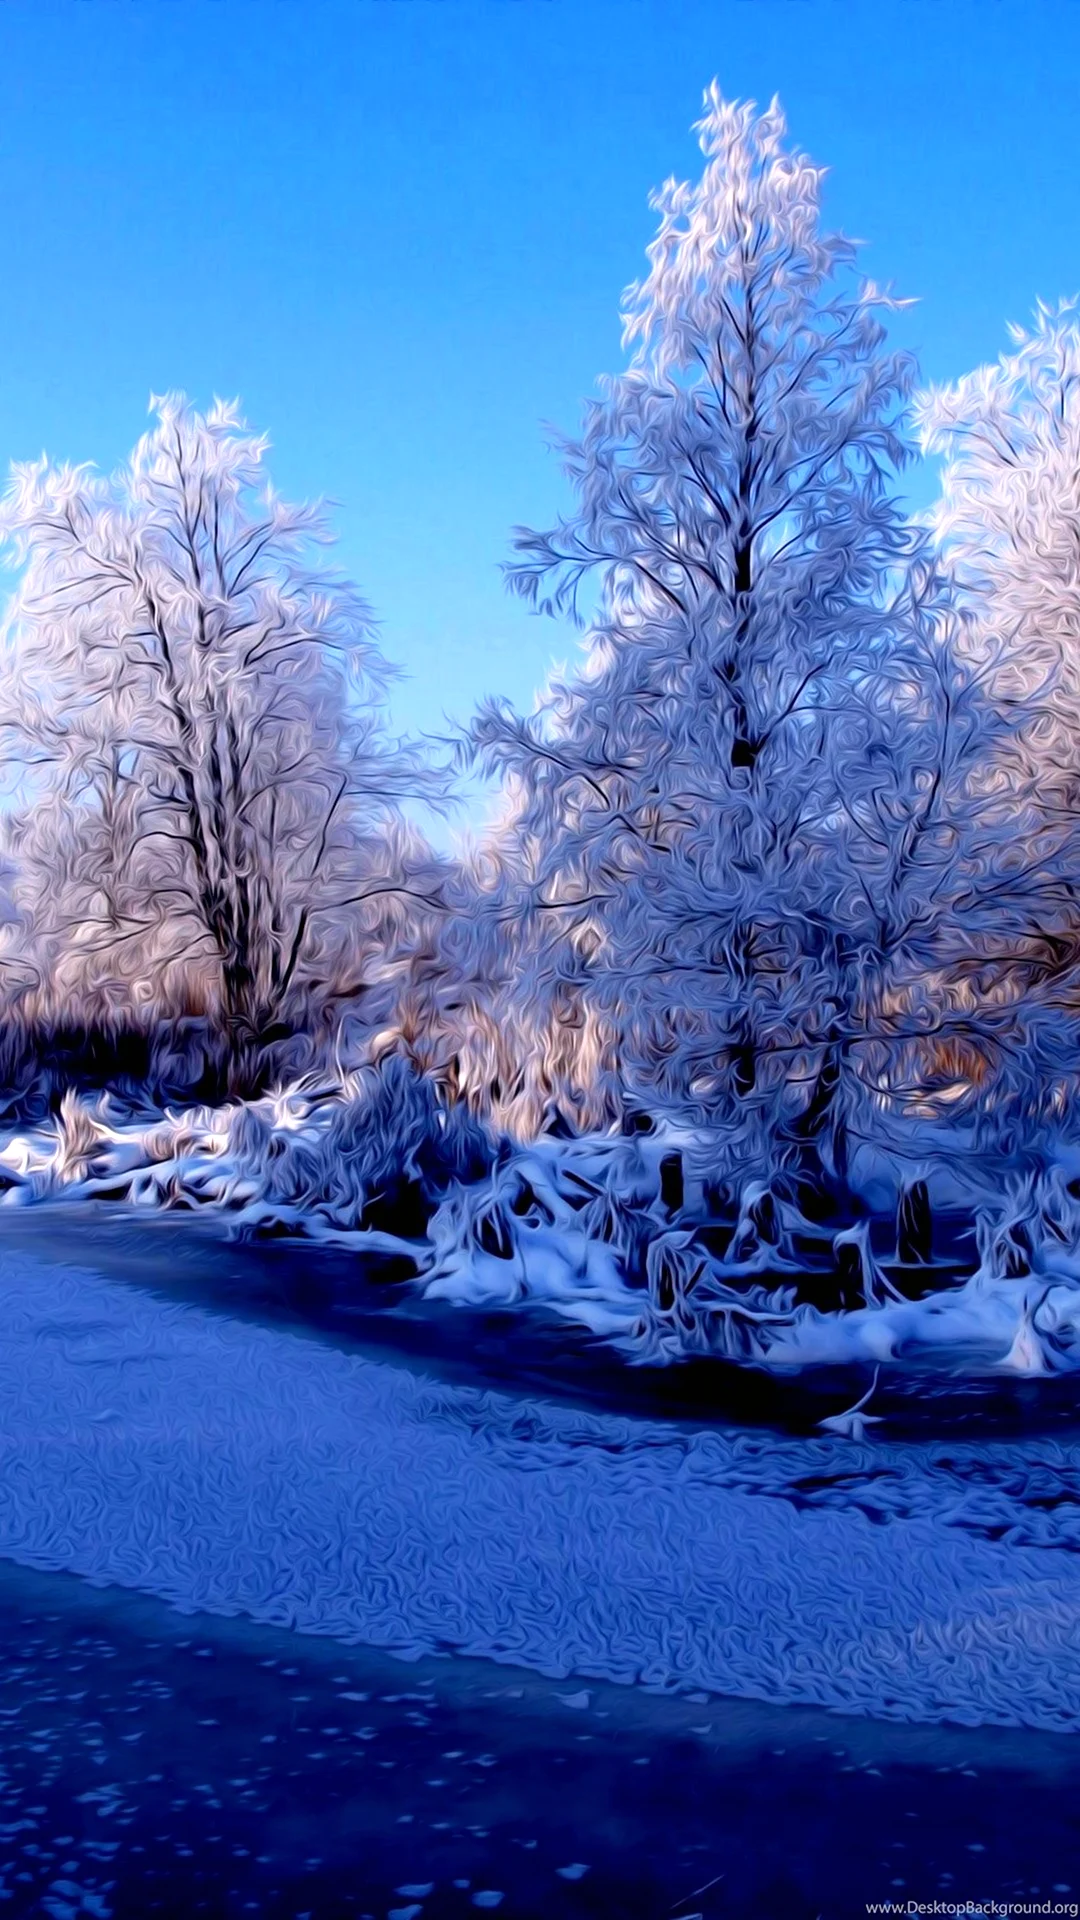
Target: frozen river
656 1614
152 1764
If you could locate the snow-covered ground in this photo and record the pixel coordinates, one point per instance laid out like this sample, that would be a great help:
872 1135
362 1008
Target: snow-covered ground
241 1469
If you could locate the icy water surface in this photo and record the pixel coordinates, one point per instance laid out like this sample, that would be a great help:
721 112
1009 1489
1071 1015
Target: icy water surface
326 1294
167 1427
152 1764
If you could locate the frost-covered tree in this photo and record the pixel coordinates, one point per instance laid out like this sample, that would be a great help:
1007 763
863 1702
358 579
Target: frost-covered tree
197 699
1006 523
1007 526
677 807
470 1008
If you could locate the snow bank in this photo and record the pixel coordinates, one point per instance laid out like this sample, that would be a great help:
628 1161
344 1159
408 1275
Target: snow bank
244 1470
582 1229
625 1236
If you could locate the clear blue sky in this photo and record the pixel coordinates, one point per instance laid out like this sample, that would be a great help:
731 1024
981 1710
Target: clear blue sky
399 229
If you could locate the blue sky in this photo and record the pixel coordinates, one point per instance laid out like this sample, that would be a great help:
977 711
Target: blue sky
399 229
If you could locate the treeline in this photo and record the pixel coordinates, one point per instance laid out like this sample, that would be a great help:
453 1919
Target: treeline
793 854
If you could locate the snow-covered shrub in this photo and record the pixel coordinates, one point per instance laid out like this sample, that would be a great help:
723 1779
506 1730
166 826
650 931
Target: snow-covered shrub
79 1137
391 1149
622 1224
247 1136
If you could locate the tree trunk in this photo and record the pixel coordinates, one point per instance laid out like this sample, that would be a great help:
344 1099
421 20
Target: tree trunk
819 1118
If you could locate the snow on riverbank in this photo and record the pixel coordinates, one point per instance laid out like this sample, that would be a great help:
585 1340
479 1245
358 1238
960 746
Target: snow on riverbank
628 1237
243 1470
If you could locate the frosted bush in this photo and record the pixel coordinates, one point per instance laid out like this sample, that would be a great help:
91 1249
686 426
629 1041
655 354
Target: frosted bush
79 1138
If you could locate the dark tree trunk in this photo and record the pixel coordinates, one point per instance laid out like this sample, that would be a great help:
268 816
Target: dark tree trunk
819 1117
914 1226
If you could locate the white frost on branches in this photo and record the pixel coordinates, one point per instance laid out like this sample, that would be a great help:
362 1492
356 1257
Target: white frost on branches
197 700
746 827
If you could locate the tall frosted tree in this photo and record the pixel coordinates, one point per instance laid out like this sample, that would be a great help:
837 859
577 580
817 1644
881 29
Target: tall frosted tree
1007 528
676 805
198 701
1006 523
